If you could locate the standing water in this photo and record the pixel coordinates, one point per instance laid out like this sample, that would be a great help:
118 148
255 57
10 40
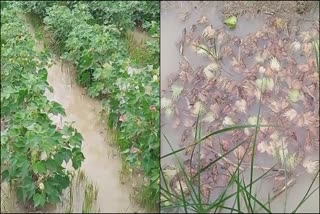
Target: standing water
184 24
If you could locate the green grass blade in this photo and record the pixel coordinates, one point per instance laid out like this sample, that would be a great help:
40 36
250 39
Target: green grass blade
183 198
215 133
252 197
223 199
246 198
305 196
254 148
219 158
196 200
231 181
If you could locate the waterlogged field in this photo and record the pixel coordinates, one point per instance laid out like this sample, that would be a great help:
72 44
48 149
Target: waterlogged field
81 103
79 106
239 109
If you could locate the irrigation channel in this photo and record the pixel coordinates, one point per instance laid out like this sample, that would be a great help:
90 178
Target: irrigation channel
97 185
225 86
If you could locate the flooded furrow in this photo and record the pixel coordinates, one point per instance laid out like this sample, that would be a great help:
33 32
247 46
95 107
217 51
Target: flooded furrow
102 163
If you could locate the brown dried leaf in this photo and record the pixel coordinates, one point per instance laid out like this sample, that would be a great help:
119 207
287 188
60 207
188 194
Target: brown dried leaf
241 106
239 152
310 119
263 147
203 20
290 114
176 123
208 32
225 145
307 49
277 105
297 84
188 122
305 36
215 109
312 166
303 67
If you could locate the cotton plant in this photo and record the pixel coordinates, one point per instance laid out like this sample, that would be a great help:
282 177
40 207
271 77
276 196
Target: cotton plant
133 71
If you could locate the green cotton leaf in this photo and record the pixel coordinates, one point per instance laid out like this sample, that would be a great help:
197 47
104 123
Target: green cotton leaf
125 151
51 165
4 176
43 74
62 180
33 139
39 167
155 177
76 139
67 130
54 196
57 109
50 88
66 154
27 189
49 187
52 192
77 158
39 200
231 21
86 61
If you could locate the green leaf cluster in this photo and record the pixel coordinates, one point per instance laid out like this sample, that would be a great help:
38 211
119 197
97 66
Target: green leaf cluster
32 149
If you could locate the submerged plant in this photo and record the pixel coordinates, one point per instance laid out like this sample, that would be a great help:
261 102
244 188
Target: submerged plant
275 64
165 103
90 196
264 84
211 70
294 95
176 91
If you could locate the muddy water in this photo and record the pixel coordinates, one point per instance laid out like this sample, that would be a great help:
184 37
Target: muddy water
102 164
175 16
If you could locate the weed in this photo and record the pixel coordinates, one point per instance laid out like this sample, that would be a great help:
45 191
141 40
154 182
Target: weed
244 192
